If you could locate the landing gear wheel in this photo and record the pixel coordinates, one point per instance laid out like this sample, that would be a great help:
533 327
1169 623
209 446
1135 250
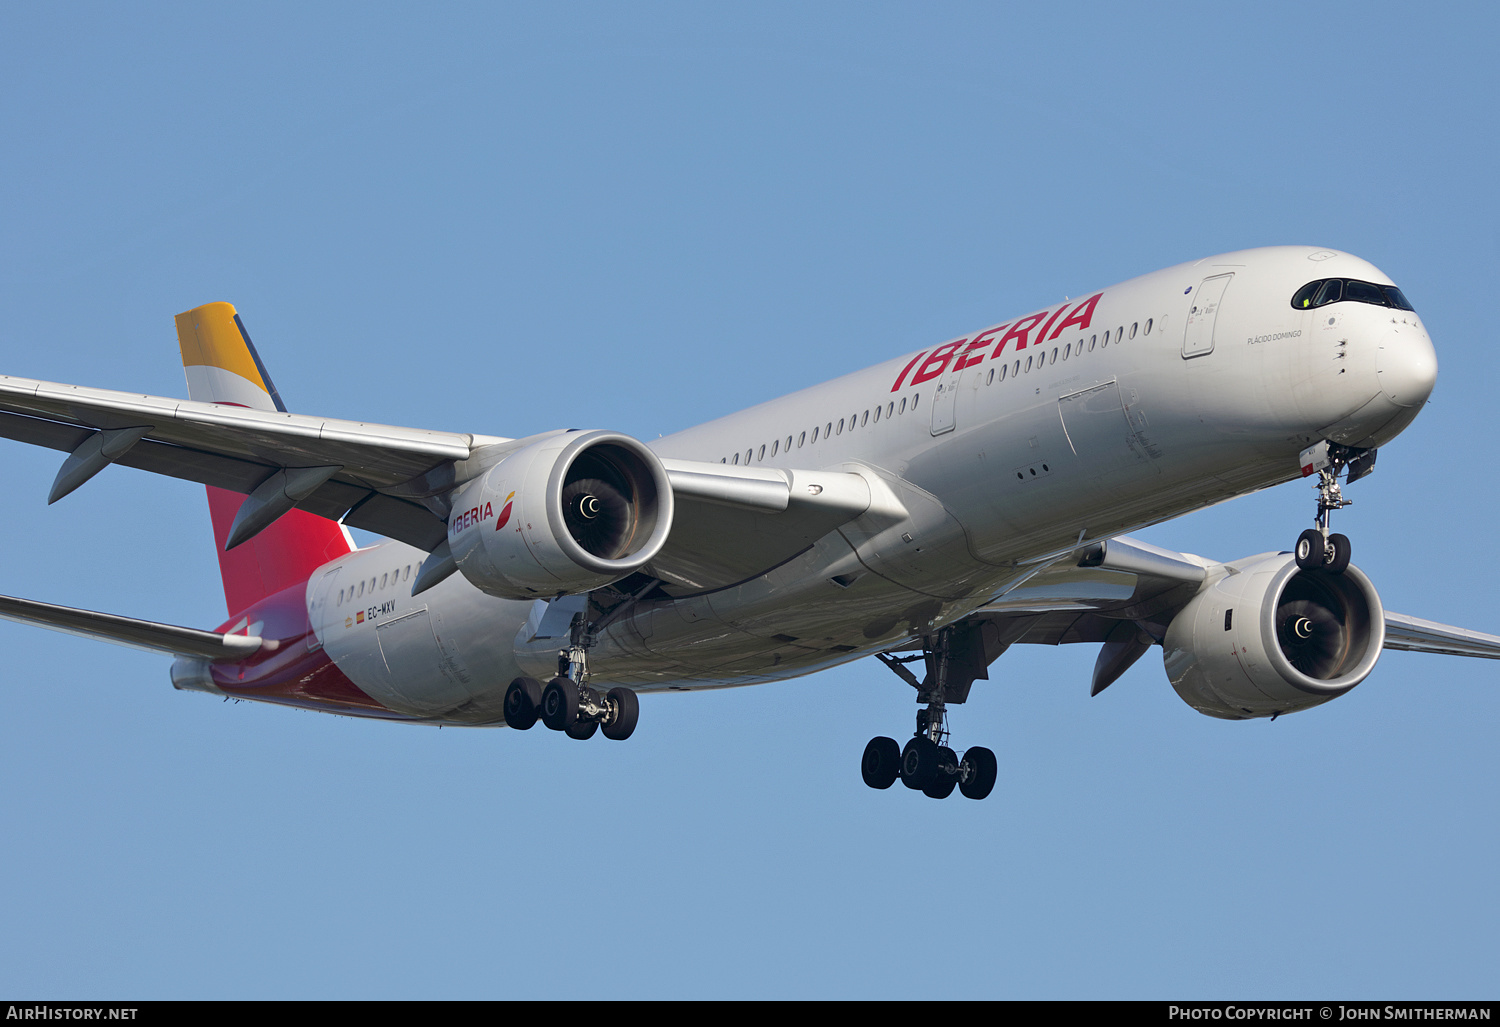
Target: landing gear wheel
627 711
943 783
582 729
977 772
1311 549
1341 551
919 763
560 704
882 763
522 701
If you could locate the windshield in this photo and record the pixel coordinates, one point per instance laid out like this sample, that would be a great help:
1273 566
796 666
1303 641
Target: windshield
1334 290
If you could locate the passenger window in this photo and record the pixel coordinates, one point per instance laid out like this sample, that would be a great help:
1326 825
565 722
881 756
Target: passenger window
1066 350
877 415
864 420
1133 328
1003 369
736 458
1028 363
361 587
384 578
828 429
774 444
801 440
762 452
841 426
991 379
914 397
1015 370
815 435
890 408
1148 325
788 446
749 455
903 404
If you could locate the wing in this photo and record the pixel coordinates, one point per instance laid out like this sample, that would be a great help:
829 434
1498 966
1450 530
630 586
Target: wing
128 631
1124 593
1415 635
394 481
380 477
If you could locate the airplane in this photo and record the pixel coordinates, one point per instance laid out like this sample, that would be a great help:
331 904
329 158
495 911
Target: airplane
930 511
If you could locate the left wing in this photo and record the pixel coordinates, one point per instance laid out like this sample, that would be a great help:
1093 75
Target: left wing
128 631
1124 593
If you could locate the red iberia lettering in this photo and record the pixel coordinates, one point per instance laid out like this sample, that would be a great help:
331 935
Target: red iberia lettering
968 358
471 517
937 363
1041 336
1019 332
1082 316
902 376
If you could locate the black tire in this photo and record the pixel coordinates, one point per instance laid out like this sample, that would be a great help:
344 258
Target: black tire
943 784
882 763
582 730
1310 550
628 708
919 763
977 772
522 703
560 704
1342 549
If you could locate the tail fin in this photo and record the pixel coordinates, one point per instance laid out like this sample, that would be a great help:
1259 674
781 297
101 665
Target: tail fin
222 367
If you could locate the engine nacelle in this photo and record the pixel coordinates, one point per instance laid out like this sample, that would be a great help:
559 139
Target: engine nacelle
1270 638
572 512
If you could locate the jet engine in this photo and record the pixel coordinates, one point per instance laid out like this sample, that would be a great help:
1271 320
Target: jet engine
572 512
1268 638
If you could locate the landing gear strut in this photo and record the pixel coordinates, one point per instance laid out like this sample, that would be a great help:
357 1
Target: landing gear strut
567 703
1317 548
926 763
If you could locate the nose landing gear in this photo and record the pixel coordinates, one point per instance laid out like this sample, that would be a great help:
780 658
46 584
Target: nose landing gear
926 764
1317 548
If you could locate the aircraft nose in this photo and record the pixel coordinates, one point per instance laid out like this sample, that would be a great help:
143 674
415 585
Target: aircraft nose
1406 365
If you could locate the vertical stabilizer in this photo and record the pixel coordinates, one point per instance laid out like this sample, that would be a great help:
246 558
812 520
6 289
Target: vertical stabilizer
222 366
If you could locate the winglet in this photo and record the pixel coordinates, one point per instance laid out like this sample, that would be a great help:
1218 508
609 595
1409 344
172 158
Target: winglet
220 360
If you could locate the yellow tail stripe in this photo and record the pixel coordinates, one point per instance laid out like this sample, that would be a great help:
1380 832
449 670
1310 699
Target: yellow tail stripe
209 336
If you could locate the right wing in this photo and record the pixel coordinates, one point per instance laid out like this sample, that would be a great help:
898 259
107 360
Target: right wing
394 481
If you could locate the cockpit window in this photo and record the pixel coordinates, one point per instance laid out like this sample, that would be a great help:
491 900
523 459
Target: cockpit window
1333 290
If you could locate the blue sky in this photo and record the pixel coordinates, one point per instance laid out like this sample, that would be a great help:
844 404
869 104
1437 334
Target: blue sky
505 219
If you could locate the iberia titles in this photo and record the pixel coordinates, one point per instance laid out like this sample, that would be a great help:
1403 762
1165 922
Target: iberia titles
964 353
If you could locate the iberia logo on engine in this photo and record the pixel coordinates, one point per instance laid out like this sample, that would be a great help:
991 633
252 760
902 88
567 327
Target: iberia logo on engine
468 518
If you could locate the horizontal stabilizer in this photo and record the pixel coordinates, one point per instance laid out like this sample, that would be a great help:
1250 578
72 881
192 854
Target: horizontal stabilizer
1424 636
138 634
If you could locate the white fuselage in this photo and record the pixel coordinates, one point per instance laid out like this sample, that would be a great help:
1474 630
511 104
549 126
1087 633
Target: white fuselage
1008 448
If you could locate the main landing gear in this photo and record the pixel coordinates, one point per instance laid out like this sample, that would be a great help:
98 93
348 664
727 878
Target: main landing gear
926 763
567 703
1317 549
